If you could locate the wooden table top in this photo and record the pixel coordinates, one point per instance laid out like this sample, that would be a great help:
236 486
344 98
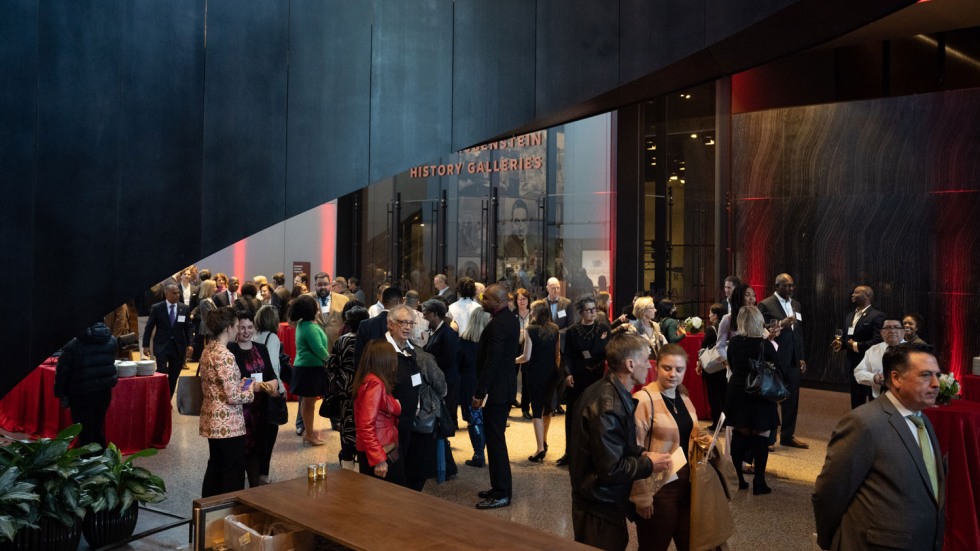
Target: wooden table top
361 512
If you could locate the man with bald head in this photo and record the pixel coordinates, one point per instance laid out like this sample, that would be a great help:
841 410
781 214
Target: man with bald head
495 388
862 330
783 309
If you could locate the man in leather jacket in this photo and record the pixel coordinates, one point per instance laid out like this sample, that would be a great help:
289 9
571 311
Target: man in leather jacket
603 456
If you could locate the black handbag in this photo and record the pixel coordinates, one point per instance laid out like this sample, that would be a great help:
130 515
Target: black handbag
765 380
445 427
278 414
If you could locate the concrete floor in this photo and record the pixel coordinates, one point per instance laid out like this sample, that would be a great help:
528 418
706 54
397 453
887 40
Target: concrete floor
782 520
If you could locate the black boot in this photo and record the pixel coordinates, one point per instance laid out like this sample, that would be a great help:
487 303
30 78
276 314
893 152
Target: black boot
738 453
760 445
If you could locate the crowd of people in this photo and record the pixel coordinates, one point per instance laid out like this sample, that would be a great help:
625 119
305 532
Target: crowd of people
394 372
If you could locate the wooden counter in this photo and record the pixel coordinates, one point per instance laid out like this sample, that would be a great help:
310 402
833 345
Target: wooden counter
362 512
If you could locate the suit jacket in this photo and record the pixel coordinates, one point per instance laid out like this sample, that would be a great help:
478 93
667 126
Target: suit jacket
496 369
222 298
333 320
874 490
168 338
563 322
866 334
449 295
369 330
790 341
280 300
444 345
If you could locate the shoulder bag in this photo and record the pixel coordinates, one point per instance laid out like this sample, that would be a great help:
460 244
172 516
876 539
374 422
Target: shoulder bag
276 409
190 395
711 360
765 380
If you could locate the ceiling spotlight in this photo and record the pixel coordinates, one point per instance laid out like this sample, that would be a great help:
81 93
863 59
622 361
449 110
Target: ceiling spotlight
673 178
694 136
709 140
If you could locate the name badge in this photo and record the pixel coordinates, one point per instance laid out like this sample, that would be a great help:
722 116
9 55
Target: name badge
850 331
586 355
561 314
180 319
416 379
799 317
257 377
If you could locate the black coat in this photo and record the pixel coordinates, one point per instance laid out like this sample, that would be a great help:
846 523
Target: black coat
168 336
789 341
444 345
867 333
369 330
87 363
496 370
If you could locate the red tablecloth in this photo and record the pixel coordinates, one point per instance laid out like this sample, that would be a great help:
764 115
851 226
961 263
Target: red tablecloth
958 430
138 416
692 381
970 389
287 336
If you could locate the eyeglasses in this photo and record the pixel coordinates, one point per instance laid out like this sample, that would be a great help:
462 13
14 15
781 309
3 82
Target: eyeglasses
893 328
589 310
404 323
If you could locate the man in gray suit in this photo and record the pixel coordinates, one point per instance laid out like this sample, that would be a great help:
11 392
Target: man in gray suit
883 484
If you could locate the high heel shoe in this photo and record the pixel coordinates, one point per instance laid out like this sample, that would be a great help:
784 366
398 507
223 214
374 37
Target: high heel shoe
538 457
313 442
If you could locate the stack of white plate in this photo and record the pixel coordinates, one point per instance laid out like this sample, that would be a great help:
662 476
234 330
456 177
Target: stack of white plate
145 368
126 369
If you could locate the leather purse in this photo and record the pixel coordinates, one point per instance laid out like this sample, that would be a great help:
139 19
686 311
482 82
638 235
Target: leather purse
190 395
765 380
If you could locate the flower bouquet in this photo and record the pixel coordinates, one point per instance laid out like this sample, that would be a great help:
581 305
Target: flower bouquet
949 388
693 325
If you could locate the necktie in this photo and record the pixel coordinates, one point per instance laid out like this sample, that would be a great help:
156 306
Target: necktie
173 314
926 446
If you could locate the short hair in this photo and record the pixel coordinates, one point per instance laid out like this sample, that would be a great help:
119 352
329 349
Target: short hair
435 306
466 287
304 278
354 315
896 358
552 280
220 319
623 346
380 360
522 292
354 280
321 275
279 278
672 349
441 277
582 301
265 286
602 301
400 308
303 308
249 289
390 297
340 280
267 319
734 280
220 277
412 297
750 321
260 280
204 275
170 285
519 204
664 307
641 304
718 309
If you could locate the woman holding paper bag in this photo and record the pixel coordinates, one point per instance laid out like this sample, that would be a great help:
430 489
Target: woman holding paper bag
666 423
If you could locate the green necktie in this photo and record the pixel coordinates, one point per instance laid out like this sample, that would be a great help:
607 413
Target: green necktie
926 446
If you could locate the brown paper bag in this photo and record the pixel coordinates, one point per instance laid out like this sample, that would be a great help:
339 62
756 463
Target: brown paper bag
711 515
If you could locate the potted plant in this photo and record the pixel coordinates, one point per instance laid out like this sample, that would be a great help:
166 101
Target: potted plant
115 494
18 504
57 474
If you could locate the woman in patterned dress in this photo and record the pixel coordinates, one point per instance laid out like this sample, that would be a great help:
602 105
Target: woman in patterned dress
344 351
222 421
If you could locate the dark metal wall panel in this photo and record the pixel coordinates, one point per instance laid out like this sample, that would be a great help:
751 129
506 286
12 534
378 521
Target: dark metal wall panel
244 119
725 17
682 37
18 106
495 93
77 167
329 101
577 52
411 84
161 145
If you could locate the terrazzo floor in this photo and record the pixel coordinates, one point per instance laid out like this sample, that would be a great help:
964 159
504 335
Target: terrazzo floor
782 520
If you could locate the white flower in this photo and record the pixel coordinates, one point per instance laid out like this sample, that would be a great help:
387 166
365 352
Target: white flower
696 322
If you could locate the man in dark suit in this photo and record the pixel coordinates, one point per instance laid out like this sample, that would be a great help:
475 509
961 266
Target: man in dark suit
441 284
172 338
280 294
495 388
376 327
781 307
731 282
883 484
443 343
863 330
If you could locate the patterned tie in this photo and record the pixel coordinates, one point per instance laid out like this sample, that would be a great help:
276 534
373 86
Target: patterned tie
926 447
173 315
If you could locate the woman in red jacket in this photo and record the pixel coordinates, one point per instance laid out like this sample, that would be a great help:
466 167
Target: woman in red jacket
376 413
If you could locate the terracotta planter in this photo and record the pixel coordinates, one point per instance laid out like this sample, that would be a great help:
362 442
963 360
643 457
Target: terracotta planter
50 536
107 527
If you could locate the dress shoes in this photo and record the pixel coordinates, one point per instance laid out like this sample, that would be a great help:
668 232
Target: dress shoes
485 494
794 443
300 431
562 461
478 463
526 415
494 503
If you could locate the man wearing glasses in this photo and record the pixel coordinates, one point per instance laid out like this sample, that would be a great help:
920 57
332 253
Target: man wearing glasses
401 321
870 371
782 309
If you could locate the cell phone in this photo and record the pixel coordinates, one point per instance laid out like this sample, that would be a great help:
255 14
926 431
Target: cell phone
248 383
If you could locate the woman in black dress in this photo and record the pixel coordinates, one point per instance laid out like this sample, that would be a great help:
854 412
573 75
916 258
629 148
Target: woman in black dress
752 417
716 383
540 365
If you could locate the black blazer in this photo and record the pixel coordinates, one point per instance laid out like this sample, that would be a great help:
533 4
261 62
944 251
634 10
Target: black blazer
790 341
369 330
444 345
167 338
496 370
866 334
222 298
450 296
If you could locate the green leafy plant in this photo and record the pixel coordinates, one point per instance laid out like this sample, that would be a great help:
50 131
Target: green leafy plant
56 473
123 483
18 504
